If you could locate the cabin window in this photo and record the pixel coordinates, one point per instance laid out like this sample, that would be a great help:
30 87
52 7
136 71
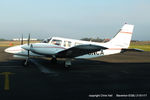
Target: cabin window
67 44
77 43
56 42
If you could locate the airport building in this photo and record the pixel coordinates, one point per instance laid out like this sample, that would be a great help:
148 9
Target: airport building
25 39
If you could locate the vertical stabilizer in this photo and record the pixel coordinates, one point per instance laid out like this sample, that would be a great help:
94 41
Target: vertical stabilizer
122 38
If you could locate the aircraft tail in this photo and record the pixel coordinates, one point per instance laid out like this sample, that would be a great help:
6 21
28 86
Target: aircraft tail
122 38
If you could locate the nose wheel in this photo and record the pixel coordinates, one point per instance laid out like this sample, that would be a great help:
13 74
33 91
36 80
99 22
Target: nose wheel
26 62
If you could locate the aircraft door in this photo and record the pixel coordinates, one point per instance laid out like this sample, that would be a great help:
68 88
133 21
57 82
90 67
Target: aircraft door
67 44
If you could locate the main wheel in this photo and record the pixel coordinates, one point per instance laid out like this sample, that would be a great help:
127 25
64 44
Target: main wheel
54 61
25 64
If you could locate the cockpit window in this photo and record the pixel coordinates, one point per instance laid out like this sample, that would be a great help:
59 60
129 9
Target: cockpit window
56 42
77 43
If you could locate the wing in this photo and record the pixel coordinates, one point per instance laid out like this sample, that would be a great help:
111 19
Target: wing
79 50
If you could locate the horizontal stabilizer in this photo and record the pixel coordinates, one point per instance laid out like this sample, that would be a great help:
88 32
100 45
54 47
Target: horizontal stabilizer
134 50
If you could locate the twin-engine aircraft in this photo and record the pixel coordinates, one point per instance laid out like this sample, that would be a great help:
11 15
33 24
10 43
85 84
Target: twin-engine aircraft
58 47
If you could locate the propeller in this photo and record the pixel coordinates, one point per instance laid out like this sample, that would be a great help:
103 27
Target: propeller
29 39
28 44
28 55
21 40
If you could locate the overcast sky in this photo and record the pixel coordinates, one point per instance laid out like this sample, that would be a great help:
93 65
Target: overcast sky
73 18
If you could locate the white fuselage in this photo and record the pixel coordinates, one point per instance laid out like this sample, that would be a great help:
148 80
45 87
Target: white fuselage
49 49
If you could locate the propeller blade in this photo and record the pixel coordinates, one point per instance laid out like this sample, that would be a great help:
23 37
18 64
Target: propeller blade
28 53
29 39
31 46
22 40
28 45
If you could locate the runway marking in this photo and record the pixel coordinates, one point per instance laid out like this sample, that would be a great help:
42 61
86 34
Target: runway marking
6 82
42 68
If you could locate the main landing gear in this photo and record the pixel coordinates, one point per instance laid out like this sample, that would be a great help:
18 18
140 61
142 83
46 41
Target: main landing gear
54 60
67 63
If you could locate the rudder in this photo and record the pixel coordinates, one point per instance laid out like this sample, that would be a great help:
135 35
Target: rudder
122 38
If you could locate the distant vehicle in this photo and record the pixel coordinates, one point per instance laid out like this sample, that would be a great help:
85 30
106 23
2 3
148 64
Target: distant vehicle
58 47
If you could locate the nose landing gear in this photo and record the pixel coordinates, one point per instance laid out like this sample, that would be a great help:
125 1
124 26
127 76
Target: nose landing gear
26 62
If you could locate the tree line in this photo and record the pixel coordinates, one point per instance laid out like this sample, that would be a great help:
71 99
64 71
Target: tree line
95 39
101 40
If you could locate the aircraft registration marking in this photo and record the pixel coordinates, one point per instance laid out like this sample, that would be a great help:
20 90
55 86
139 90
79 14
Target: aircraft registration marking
97 53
